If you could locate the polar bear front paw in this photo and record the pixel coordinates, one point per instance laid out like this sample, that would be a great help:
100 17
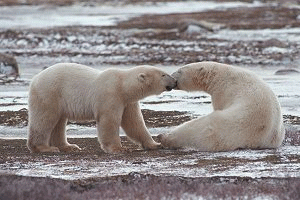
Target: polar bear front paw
166 142
152 146
115 149
45 148
69 148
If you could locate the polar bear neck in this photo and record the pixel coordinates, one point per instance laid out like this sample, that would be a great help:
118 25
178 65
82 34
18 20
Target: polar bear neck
215 78
226 84
207 79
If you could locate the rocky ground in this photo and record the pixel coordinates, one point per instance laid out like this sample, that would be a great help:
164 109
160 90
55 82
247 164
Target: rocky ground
134 185
147 186
165 39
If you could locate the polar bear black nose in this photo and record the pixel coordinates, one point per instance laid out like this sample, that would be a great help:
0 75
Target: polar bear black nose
170 87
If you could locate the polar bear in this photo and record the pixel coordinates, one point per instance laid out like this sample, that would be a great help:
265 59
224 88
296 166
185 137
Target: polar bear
68 91
246 112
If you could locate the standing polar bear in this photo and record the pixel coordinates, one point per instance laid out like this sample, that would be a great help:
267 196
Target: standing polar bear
246 112
77 92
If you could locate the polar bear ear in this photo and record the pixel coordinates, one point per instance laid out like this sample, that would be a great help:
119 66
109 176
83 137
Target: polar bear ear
201 69
142 77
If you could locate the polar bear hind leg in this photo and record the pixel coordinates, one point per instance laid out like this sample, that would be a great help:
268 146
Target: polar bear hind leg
205 134
40 134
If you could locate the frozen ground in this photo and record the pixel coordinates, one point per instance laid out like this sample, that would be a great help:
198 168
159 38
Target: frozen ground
99 14
281 163
241 174
271 44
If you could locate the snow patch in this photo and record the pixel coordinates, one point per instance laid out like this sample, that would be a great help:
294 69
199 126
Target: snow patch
286 34
99 15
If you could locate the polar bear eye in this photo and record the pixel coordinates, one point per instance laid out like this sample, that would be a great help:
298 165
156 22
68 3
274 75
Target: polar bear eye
164 75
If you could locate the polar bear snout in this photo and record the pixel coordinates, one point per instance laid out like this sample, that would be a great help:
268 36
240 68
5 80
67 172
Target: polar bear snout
176 76
172 86
171 83
161 139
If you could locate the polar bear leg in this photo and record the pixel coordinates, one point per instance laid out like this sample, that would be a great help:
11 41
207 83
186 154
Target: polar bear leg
134 126
39 135
108 131
58 137
204 134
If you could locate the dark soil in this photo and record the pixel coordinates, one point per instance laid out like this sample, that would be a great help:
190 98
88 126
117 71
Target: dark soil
15 150
139 186
152 118
133 185
238 18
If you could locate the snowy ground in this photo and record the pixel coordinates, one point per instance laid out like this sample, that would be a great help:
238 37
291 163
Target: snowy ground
99 15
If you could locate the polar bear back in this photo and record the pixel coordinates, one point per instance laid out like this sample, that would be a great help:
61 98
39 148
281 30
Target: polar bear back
74 98
229 84
59 76
248 102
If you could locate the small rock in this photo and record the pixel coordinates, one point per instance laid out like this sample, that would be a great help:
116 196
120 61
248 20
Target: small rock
193 29
71 38
232 58
86 45
286 72
192 26
57 36
272 43
22 42
274 49
8 66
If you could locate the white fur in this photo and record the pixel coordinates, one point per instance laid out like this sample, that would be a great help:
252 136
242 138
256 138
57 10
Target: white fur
246 112
77 92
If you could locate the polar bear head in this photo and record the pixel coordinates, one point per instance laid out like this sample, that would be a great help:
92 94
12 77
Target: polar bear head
148 80
155 80
195 76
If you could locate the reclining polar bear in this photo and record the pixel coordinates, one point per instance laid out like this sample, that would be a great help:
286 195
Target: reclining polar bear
77 92
246 112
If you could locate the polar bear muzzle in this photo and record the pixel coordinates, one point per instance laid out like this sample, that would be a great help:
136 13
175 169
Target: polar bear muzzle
171 83
176 76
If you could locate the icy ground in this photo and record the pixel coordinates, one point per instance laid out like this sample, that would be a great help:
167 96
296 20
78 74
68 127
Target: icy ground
99 15
280 163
